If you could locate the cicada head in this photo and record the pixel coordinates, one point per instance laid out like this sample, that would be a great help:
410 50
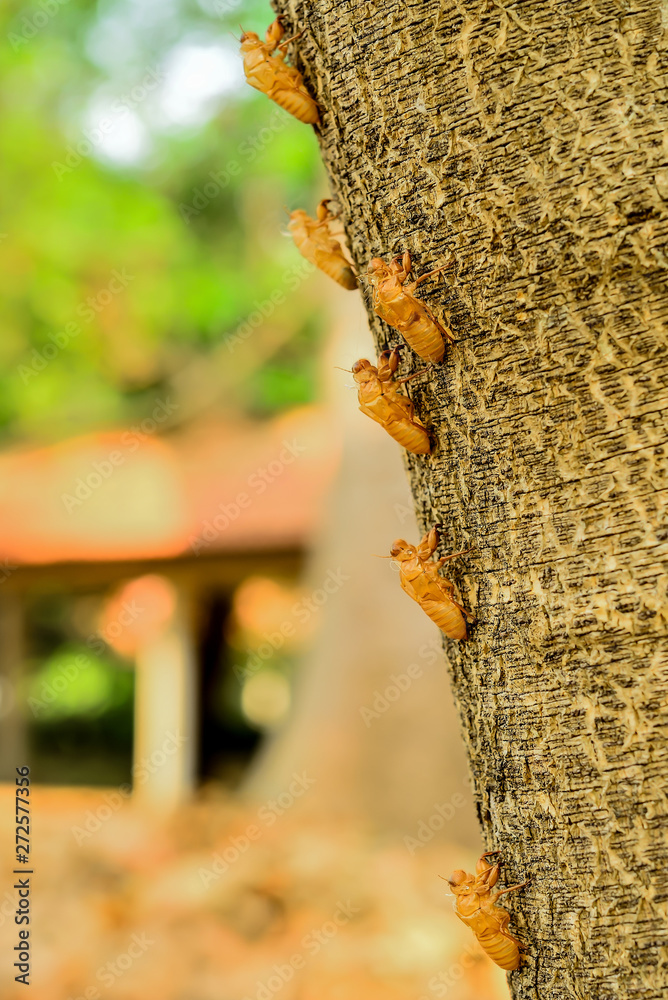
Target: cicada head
363 371
401 550
298 221
249 41
377 269
460 882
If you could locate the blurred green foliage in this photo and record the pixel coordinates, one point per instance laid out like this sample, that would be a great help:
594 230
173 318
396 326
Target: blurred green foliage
142 217
78 700
72 682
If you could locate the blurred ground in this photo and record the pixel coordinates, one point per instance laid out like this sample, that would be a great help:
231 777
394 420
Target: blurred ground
231 902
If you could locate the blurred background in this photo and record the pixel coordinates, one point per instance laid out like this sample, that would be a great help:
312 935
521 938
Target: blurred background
247 771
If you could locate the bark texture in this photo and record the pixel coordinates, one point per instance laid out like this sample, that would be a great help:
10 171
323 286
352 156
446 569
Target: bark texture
529 141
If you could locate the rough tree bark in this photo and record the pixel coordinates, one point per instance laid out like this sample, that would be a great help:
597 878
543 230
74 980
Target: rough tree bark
529 141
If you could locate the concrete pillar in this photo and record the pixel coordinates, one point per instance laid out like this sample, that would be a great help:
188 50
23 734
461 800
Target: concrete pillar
165 707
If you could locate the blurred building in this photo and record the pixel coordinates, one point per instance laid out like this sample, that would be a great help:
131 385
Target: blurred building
150 535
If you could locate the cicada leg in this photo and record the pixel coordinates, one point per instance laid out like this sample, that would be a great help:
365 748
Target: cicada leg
441 561
467 614
511 888
283 47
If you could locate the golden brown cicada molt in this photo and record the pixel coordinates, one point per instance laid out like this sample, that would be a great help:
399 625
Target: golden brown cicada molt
315 241
393 301
475 905
380 399
271 74
421 580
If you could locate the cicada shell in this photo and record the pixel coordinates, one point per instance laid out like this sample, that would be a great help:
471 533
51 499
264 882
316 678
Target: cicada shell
393 301
268 72
380 399
475 905
314 240
421 580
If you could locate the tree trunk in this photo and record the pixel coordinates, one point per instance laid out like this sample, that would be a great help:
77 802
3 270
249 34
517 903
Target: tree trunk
530 143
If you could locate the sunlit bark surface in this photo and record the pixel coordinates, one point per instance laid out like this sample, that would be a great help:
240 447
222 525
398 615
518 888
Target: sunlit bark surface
528 144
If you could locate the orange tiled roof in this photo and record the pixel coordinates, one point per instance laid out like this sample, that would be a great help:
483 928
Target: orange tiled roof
132 495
